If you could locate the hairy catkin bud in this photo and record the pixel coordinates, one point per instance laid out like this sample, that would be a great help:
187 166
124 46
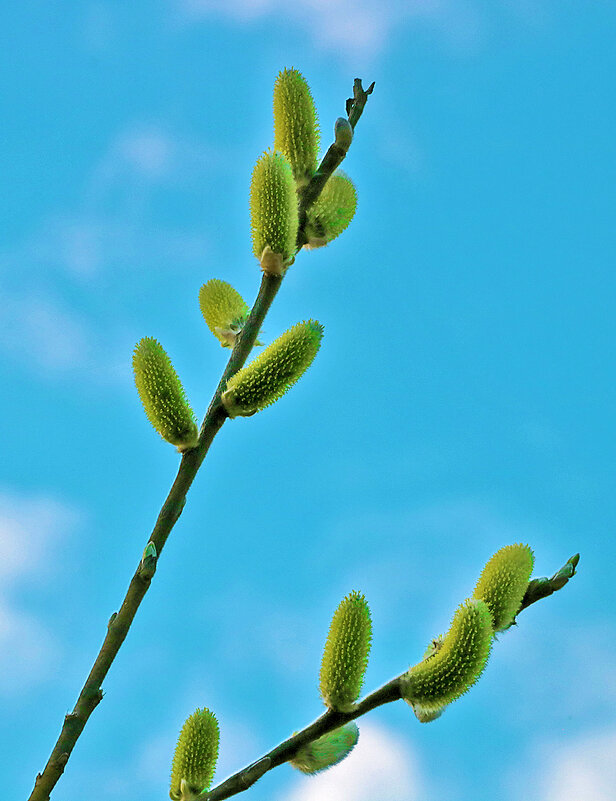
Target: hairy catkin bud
273 212
195 756
503 582
223 310
274 371
332 211
454 663
328 750
163 396
296 128
345 656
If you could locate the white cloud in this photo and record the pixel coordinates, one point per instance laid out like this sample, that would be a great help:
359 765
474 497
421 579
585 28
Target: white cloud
28 652
380 759
583 769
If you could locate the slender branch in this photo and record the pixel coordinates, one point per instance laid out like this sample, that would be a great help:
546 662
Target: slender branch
120 622
331 720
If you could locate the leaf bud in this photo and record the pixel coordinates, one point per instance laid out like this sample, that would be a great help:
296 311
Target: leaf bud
345 656
274 371
296 129
163 396
273 213
503 582
195 756
328 750
454 663
343 133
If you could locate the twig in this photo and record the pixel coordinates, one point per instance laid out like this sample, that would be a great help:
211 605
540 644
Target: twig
331 720
120 622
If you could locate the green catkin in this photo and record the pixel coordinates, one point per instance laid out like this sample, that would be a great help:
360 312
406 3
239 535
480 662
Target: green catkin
296 128
273 212
195 756
332 211
163 396
453 663
345 656
328 750
503 582
273 372
223 309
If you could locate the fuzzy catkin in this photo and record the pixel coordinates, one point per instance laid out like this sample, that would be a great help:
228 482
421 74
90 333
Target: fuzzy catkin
273 208
273 372
163 396
503 582
196 753
328 750
332 211
296 128
223 310
454 663
345 656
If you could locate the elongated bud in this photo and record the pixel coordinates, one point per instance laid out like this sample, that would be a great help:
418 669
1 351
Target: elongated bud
223 310
454 663
503 582
273 213
274 371
163 396
195 756
328 750
296 129
343 133
345 656
332 211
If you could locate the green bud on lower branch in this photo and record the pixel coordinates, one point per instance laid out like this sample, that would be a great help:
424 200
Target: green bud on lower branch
454 663
503 582
328 750
296 128
223 309
163 396
345 656
331 212
273 213
195 756
274 371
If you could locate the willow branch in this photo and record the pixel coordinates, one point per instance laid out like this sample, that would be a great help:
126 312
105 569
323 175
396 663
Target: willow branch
331 719
120 622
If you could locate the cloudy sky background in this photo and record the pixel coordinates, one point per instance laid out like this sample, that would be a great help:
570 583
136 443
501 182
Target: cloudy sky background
462 400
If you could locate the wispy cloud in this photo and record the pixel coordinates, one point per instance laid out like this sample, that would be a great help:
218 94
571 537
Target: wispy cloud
582 768
31 528
380 759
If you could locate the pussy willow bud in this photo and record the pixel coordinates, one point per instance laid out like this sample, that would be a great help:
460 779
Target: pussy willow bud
345 656
223 309
343 133
456 662
296 129
163 396
273 213
503 582
331 212
273 372
328 750
195 756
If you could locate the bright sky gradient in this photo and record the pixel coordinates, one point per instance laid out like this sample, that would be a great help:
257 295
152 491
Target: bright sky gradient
463 398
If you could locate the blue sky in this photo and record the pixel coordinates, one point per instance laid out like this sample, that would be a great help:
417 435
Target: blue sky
462 399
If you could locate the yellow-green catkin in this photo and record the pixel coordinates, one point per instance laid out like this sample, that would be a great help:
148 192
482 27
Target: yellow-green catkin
163 396
345 656
296 128
503 582
328 750
223 309
273 212
273 372
332 211
195 756
453 664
